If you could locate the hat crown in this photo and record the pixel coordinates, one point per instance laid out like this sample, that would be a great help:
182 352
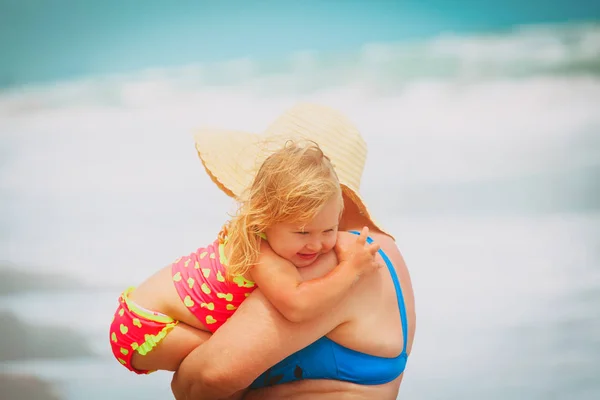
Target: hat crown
232 158
339 139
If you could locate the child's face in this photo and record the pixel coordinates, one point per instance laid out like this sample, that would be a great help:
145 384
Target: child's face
303 246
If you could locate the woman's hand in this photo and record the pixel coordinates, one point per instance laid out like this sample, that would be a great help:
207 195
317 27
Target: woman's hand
357 254
255 338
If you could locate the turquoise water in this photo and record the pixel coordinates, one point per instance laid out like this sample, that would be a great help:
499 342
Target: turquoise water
494 200
45 41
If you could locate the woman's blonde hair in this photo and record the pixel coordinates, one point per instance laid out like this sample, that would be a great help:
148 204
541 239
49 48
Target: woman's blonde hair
292 185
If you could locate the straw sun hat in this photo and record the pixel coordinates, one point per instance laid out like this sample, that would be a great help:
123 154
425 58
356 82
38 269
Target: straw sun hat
232 158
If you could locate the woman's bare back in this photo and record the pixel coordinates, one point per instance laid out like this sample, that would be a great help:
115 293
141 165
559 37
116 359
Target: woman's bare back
374 327
326 390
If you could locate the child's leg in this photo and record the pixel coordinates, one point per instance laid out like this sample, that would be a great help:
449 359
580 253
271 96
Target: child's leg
137 335
171 350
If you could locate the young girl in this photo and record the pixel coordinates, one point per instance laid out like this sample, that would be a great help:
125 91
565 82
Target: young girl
288 220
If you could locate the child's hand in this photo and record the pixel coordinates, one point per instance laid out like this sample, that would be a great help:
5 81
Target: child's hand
358 255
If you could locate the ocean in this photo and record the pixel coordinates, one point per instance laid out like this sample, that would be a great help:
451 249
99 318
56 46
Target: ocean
494 200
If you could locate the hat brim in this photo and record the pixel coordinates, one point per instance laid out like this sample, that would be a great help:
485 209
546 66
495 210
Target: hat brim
231 159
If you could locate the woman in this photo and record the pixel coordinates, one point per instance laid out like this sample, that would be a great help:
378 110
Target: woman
357 350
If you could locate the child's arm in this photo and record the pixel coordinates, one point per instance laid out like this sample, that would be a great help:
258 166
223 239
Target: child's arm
299 300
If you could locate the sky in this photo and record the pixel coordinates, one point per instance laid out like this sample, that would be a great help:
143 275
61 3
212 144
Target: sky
46 40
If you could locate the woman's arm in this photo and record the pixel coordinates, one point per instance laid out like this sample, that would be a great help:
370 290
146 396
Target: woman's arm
300 300
255 338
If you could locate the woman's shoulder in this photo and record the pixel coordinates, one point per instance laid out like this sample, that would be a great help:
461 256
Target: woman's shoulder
387 243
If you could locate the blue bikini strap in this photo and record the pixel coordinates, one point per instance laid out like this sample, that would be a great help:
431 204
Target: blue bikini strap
399 295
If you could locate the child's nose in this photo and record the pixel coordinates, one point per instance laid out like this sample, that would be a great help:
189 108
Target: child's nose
314 246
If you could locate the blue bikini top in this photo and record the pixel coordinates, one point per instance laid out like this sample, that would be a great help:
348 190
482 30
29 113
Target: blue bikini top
326 359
